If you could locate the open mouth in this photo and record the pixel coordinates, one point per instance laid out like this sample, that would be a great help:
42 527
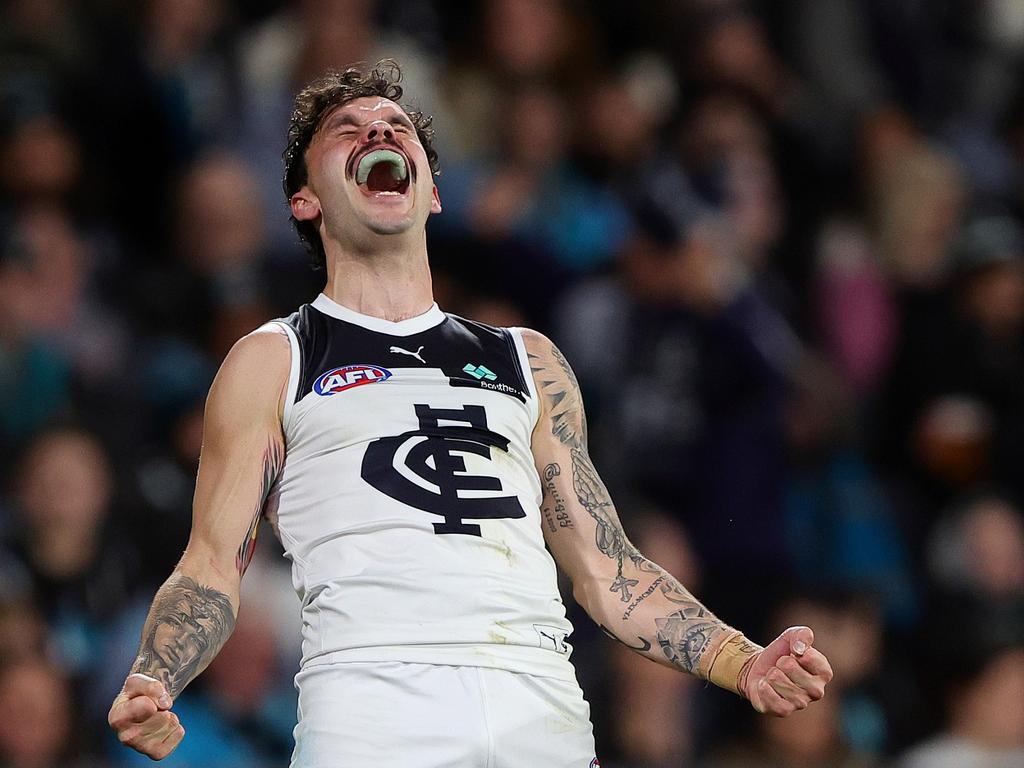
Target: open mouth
383 172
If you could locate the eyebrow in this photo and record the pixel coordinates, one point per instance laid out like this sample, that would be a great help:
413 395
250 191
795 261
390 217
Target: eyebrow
340 117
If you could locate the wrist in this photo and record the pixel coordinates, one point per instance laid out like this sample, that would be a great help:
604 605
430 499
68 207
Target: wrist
744 677
730 667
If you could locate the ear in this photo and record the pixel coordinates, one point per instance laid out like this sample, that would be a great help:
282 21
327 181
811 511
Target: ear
305 205
435 202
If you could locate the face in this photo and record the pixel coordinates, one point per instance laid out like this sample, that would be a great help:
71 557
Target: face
180 639
368 175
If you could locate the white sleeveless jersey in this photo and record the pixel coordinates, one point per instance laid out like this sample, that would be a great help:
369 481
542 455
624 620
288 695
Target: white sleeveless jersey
409 501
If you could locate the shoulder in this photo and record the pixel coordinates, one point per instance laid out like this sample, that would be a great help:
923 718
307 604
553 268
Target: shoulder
536 343
254 373
544 355
265 349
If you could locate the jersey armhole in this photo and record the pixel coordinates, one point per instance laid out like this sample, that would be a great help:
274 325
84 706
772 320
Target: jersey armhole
524 367
293 373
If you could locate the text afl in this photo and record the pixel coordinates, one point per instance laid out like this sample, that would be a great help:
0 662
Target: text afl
339 379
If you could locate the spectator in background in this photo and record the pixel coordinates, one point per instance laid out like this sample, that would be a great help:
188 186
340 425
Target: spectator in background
686 365
40 161
854 307
67 301
985 727
968 350
188 57
71 559
212 289
532 202
511 43
811 740
976 557
841 527
36 717
34 375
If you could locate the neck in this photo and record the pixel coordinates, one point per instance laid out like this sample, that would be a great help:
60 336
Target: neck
390 284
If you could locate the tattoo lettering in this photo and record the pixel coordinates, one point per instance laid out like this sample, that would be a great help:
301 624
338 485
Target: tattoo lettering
685 635
554 509
273 459
644 595
187 626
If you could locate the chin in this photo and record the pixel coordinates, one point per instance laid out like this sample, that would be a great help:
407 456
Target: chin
390 226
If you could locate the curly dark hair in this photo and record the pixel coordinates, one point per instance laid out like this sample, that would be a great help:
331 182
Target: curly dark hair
320 97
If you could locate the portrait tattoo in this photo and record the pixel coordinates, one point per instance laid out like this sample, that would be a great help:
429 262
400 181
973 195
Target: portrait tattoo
187 626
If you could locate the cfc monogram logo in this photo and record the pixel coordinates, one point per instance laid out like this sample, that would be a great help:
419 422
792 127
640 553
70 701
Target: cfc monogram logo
434 457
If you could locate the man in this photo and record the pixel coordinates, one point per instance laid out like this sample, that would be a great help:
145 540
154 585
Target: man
414 464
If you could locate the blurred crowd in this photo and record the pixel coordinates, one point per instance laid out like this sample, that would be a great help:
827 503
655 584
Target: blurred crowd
781 243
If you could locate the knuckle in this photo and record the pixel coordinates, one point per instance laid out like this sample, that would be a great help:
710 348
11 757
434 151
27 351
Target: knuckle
787 664
127 736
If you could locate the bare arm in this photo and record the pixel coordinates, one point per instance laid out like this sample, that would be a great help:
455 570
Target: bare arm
194 611
632 598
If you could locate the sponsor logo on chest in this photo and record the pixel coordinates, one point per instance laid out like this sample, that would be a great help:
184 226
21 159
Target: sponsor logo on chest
339 379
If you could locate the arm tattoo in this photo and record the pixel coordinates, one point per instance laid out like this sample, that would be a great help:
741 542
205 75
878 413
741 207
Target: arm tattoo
186 628
642 648
273 458
568 422
569 425
611 539
685 635
553 508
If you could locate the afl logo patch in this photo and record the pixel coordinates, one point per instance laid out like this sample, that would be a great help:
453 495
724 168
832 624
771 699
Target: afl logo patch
339 379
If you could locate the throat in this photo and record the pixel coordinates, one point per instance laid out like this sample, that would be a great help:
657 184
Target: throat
381 290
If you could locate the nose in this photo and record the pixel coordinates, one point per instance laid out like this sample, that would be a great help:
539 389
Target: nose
378 131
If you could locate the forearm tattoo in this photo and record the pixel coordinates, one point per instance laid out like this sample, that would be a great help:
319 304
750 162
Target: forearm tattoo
610 537
186 627
553 507
569 425
684 635
273 459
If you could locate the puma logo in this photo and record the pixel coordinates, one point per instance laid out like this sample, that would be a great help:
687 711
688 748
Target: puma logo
552 639
416 354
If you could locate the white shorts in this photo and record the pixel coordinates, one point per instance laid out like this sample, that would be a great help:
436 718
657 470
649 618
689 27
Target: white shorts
398 715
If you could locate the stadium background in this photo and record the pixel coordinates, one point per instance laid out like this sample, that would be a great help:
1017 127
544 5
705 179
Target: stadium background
779 241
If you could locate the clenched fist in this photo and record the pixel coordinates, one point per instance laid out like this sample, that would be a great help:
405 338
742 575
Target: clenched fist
142 718
787 675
